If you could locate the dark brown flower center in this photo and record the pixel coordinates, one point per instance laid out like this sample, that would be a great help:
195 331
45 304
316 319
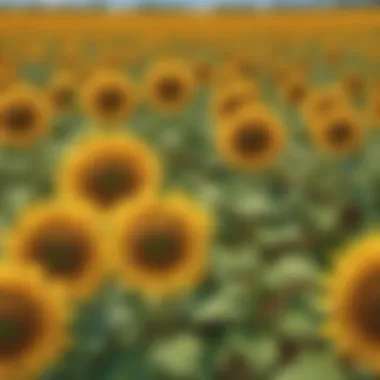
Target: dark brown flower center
365 305
340 133
19 118
170 89
159 247
110 100
297 93
19 325
61 249
252 139
109 181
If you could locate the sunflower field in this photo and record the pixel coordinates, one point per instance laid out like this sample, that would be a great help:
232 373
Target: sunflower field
190 196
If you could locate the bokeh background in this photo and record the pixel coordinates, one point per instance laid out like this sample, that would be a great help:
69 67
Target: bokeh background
197 4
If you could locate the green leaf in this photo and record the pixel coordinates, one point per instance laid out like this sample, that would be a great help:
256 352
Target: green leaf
313 366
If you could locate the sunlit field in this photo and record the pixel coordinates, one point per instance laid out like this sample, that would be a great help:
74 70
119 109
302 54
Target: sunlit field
190 196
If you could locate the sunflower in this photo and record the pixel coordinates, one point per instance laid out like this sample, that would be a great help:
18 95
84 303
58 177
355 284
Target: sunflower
108 97
374 90
279 73
340 134
70 55
103 171
203 70
226 74
248 66
169 85
113 60
294 87
62 92
8 74
132 58
226 102
352 302
161 244
33 322
333 55
24 116
354 83
85 71
64 240
374 108
67 62
36 52
322 101
287 74
252 140
244 66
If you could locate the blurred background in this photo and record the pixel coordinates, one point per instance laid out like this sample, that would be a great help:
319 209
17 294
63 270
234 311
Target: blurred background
200 4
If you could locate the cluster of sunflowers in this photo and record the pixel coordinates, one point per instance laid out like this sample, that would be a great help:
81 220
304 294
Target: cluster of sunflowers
180 201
